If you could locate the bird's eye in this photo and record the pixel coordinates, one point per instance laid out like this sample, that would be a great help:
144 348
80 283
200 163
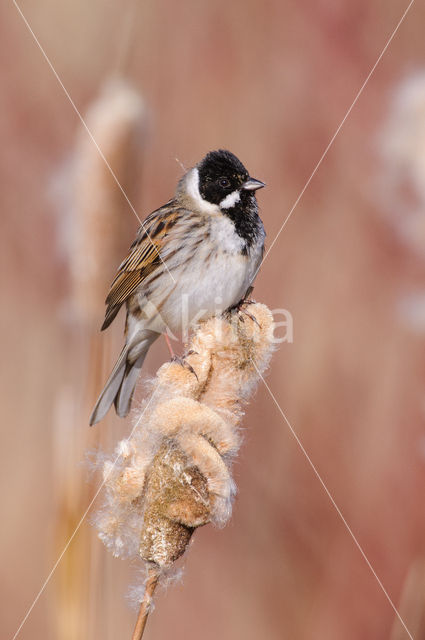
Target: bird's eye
224 182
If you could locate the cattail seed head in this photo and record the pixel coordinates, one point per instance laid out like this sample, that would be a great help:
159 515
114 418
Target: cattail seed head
174 473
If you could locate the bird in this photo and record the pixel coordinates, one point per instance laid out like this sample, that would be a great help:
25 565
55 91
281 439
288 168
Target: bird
193 258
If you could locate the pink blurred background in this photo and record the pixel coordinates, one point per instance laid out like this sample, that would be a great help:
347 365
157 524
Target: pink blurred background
271 81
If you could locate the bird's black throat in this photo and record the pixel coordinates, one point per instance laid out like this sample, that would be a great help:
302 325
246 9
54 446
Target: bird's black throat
244 215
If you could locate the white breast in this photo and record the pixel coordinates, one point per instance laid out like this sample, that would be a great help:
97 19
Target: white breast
223 234
217 277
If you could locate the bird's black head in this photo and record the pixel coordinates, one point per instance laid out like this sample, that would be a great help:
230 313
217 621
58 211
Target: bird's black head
224 181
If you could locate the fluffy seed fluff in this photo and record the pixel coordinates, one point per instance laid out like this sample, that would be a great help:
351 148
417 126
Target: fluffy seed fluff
173 473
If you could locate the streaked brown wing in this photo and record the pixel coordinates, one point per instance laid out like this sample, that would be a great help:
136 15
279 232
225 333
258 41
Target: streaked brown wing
144 257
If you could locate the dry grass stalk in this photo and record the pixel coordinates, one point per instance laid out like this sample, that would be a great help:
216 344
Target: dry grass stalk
174 473
100 231
71 608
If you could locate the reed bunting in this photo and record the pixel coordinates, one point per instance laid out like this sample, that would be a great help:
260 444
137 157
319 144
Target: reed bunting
195 257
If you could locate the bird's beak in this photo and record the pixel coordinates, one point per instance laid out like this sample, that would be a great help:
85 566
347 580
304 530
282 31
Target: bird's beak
252 184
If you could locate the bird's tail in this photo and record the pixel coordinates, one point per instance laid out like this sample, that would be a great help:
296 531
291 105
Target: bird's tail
120 386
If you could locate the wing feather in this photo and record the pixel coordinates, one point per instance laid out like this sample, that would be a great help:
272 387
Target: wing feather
144 257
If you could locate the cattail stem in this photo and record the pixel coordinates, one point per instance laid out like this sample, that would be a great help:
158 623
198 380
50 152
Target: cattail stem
151 583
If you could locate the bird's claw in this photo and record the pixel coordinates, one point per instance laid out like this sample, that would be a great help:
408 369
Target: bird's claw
240 309
250 316
185 364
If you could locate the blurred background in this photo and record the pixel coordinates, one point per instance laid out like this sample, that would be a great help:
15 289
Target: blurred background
271 81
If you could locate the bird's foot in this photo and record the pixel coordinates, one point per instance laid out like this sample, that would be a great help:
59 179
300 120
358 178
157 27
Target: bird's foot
240 308
185 364
168 342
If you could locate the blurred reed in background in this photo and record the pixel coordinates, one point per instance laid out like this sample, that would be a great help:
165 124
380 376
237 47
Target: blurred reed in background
103 192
